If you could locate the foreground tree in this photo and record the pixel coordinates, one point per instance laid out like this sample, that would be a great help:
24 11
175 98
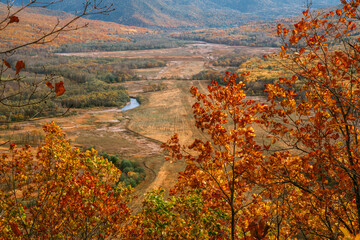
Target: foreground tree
306 174
317 194
59 192
225 166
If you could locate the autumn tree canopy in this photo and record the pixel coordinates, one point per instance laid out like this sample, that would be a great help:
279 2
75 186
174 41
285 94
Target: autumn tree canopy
59 192
302 179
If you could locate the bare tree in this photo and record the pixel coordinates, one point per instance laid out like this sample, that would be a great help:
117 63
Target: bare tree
15 90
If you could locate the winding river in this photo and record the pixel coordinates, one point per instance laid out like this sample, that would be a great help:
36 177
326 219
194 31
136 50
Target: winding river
133 104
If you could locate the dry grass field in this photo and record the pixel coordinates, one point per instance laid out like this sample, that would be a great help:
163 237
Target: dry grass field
182 62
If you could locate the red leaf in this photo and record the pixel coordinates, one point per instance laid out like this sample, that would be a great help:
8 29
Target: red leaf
14 19
6 63
15 229
59 88
49 85
19 65
12 146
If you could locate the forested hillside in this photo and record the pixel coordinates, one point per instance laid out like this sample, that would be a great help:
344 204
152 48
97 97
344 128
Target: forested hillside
194 14
254 34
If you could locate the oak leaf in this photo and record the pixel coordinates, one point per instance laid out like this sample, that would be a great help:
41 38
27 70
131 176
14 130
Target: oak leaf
14 19
59 88
19 66
49 85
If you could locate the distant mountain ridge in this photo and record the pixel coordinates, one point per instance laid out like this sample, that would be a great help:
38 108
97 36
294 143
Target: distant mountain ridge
194 13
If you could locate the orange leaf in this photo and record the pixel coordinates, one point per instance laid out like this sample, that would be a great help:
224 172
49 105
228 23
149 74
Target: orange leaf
302 50
49 85
338 12
59 88
14 19
19 65
6 63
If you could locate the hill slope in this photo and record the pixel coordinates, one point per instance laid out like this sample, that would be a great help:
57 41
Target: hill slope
254 34
270 7
195 13
29 28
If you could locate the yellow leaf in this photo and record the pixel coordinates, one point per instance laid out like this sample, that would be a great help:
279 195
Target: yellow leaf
357 237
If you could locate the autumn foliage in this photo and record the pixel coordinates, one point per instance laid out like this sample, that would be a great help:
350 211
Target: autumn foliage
318 167
302 179
283 168
59 192
226 165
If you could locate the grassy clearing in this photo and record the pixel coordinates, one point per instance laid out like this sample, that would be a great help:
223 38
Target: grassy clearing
167 112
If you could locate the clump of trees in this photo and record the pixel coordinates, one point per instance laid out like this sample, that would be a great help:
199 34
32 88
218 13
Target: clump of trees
131 172
82 70
103 97
154 87
137 42
230 61
89 83
232 36
208 75
91 94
